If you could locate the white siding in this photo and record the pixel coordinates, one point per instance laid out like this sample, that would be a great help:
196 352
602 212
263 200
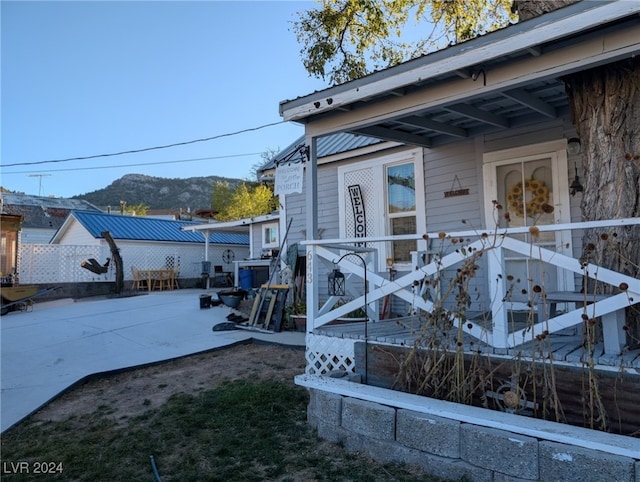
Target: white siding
76 234
444 167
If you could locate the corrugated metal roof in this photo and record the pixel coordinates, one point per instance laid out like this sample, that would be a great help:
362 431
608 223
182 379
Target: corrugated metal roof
150 229
327 146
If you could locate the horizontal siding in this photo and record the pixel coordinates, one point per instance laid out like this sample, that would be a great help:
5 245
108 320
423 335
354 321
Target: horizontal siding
78 235
441 167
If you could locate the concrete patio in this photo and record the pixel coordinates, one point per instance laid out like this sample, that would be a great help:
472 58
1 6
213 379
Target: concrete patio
59 343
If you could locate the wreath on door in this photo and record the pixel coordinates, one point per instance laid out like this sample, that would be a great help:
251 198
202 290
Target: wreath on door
517 195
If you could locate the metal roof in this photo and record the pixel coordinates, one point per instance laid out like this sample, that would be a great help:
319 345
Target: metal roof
327 146
43 212
237 226
505 79
136 228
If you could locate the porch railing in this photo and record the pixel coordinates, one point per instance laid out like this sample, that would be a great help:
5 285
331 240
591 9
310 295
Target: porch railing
322 256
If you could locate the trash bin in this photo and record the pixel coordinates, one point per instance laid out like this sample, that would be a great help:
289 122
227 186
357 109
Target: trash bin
246 278
205 301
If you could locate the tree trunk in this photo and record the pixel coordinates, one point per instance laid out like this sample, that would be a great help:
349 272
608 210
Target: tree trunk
533 8
605 104
117 260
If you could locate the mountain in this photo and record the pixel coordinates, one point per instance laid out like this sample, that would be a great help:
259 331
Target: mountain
157 192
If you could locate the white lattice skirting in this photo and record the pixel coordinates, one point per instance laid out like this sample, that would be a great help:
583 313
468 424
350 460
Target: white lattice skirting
325 354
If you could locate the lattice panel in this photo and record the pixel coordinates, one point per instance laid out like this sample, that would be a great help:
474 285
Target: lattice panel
325 354
363 178
54 263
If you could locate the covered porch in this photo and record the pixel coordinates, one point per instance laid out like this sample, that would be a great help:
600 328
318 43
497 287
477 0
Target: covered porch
461 291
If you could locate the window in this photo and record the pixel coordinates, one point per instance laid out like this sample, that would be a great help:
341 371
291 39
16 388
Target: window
392 202
270 238
401 208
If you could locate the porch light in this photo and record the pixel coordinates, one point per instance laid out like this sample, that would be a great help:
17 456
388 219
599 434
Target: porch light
575 184
336 285
573 146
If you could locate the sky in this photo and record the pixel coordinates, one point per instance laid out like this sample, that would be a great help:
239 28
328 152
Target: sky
88 78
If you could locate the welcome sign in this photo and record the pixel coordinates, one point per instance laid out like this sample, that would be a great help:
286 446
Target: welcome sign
288 179
359 218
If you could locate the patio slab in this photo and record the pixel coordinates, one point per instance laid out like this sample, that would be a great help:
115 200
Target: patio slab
57 344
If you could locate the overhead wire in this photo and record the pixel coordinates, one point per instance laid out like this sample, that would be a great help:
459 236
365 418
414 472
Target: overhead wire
146 149
114 166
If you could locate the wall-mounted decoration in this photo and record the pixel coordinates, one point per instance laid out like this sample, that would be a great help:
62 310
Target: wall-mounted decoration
359 218
453 192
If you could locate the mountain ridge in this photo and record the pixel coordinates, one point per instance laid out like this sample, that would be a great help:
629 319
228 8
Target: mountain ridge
157 192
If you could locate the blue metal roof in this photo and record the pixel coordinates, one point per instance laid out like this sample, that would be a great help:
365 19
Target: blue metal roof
149 229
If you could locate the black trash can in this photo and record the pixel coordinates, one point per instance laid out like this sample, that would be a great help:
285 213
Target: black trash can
205 301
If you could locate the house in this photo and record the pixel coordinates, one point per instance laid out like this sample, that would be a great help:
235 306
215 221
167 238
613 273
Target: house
259 266
414 224
10 226
42 216
144 243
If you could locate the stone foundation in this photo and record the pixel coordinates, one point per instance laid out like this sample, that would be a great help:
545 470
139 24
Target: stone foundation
456 449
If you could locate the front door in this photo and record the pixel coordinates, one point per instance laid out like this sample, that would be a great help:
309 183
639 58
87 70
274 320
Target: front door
532 189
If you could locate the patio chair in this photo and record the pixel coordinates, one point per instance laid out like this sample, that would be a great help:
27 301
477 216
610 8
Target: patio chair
163 280
139 282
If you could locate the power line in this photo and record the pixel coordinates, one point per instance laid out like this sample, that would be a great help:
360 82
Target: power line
136 164
135 151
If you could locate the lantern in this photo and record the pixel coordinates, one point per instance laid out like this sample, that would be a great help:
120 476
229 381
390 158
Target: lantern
336 286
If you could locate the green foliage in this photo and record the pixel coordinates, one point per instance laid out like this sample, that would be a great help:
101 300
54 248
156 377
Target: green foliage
221 196
244 201
346 39
137 210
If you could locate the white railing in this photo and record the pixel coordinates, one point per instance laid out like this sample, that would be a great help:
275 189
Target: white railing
323 255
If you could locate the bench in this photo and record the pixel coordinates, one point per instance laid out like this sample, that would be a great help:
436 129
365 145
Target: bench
613 333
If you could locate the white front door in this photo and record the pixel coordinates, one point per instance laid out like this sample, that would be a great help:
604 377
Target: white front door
531 185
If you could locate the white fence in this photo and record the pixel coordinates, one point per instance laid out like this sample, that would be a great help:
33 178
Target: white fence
54 263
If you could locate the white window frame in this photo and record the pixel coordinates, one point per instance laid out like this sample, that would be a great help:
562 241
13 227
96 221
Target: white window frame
266 227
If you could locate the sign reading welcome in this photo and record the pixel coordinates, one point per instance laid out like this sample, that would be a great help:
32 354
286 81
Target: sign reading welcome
288 179
359 219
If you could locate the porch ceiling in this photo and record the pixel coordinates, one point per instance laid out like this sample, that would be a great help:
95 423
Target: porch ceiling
507 79
502 109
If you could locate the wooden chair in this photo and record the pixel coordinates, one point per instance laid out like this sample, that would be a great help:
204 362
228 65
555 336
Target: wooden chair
163 280
139 282
174 279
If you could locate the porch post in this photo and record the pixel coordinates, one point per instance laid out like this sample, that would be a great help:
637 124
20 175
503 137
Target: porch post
206 253
497 292
312 268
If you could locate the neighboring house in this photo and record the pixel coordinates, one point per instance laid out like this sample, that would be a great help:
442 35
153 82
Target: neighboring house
10 226
42 216
458 133
265 239
144 243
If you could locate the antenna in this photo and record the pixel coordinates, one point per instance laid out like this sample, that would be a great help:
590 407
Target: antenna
40 181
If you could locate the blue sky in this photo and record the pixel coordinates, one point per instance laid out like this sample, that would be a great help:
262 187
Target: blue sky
88 78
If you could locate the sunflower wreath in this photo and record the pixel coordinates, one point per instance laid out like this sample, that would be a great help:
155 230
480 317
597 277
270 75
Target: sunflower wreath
516 196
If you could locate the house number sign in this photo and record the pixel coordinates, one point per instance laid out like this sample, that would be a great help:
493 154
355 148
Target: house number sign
359 218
